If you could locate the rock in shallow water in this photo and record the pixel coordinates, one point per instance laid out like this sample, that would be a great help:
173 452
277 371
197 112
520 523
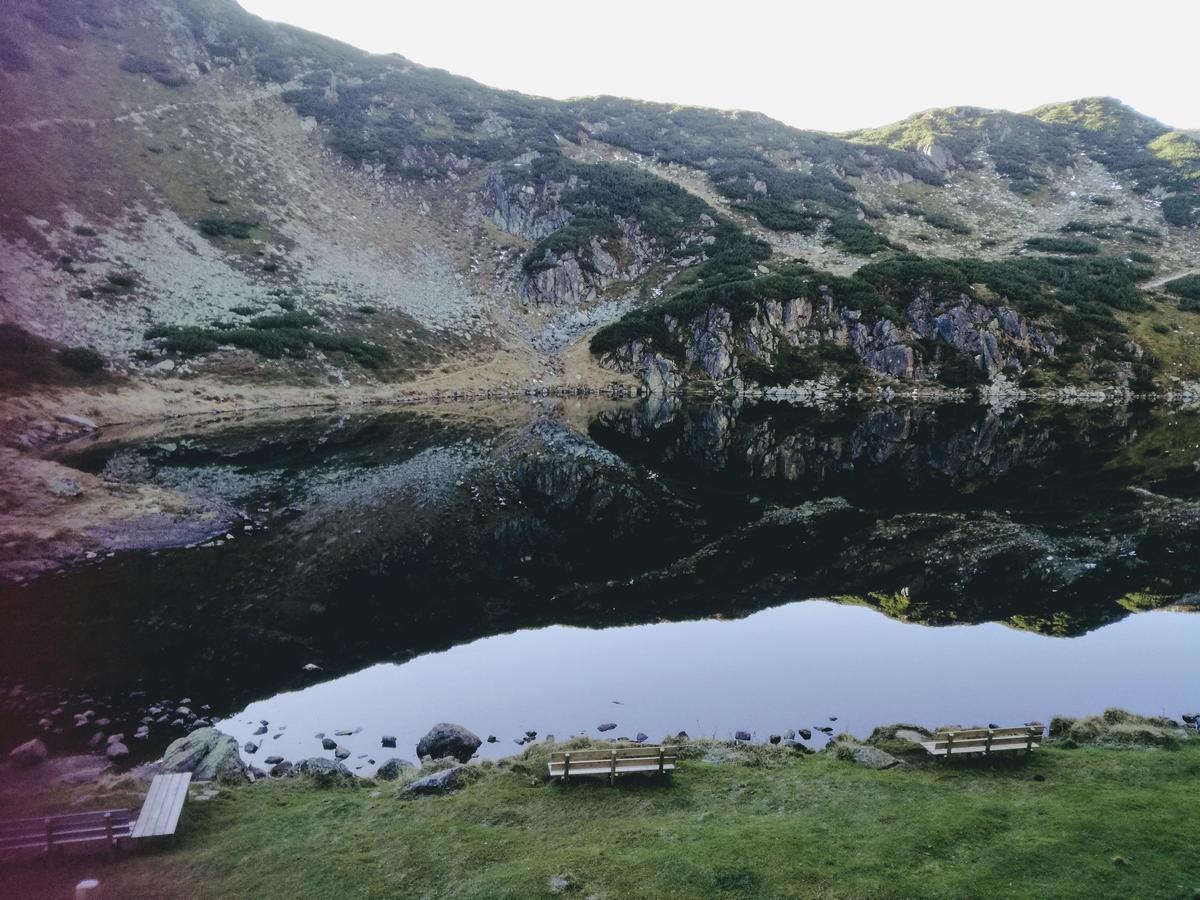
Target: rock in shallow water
448 739
388 741
607 726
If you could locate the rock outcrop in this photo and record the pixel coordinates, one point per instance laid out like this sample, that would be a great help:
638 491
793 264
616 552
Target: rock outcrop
716 347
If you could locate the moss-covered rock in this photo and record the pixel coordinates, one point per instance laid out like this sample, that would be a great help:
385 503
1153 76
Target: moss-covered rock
209 755
1117 728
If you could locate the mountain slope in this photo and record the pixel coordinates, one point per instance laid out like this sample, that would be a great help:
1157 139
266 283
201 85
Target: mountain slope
194 193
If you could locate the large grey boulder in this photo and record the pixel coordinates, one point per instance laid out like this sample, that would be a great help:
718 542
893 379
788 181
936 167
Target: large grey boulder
29 754
438 782
448 739
209 755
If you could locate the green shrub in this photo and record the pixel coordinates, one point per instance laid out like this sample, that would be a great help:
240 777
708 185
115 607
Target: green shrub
857 236
1181 210
84 360
1062 245
1187 287
946 223
234 228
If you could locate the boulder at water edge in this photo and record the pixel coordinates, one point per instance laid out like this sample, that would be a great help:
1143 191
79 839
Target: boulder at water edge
392 768
208 754
319 765
448 739
29 754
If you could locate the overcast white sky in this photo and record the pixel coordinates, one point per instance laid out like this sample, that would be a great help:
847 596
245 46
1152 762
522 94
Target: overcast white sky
832 65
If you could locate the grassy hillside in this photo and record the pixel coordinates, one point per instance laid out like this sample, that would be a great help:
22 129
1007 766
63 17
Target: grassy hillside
764 823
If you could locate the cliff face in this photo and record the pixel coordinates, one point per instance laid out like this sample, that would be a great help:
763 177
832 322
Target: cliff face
190 190
993 338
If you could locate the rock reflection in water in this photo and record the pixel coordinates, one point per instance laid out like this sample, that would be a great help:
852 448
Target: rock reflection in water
383 537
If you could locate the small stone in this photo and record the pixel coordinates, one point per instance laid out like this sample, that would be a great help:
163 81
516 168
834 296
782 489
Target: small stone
273 760
775 738
328 744
607 726
29 754
805 734
741 735
491 739
115 738
116 751
96 741
341 753
563 884
388 741
789 735
261 729
641 737
250 747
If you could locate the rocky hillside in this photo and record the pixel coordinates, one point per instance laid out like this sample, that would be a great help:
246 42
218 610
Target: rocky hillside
192 193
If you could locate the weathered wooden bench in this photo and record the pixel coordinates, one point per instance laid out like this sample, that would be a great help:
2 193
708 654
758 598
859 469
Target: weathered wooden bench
619 761
158 817
984 741
46 833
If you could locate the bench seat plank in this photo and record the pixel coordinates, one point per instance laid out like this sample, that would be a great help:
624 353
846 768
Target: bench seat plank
939 749
164 804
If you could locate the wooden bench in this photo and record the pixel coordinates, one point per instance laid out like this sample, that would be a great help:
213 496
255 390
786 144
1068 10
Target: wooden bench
619 761
48 832
162 806
159 817
983 741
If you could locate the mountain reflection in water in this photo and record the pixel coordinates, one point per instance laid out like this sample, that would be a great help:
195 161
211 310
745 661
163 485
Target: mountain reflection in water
382 537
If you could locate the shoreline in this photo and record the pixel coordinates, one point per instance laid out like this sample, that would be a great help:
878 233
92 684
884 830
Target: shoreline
731 820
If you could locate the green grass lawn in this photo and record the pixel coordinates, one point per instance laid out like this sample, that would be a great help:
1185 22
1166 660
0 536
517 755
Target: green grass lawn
1102 823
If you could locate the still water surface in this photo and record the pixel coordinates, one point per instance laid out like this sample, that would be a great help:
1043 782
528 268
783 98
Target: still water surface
793 666
520 567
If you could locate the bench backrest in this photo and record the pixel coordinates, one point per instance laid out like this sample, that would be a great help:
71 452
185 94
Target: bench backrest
621 753
73 828
998 738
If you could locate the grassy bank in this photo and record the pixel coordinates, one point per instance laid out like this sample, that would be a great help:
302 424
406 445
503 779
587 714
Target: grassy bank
767 823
